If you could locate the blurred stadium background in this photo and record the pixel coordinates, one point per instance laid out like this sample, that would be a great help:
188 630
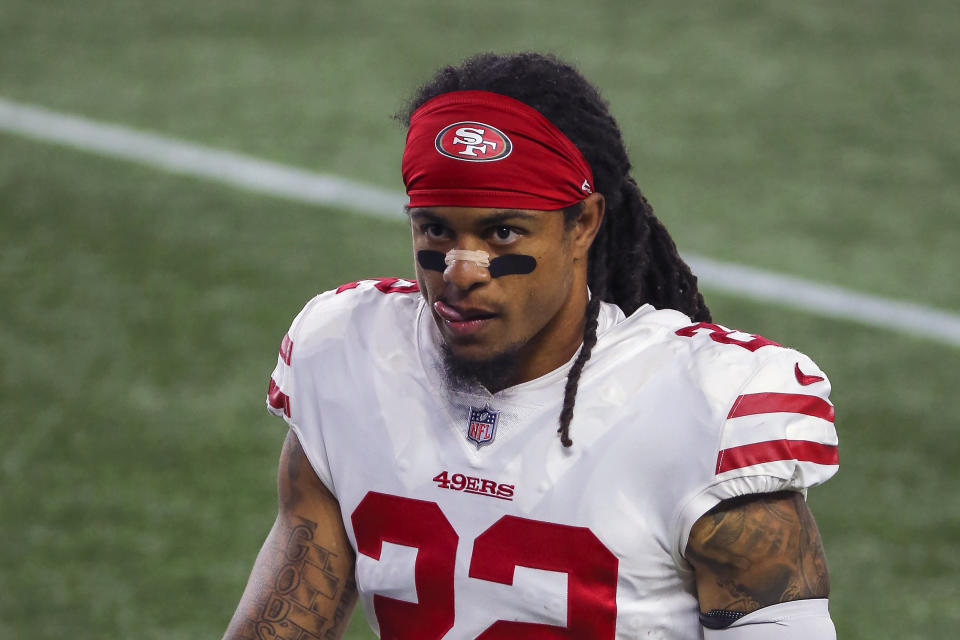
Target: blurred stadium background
141 310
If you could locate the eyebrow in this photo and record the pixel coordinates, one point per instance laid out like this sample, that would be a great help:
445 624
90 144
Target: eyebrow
494 218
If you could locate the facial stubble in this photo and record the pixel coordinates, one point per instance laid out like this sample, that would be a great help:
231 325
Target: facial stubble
493 373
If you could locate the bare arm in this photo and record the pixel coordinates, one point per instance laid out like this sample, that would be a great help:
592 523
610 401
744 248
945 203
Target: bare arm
303 576
756 551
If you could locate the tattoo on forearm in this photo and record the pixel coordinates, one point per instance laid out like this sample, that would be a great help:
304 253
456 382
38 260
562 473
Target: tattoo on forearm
303 588
760 552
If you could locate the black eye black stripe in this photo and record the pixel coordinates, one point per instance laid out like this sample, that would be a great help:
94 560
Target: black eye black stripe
432 260
512 264
506 265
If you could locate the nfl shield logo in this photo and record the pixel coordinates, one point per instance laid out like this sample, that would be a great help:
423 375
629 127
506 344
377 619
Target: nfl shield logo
483 426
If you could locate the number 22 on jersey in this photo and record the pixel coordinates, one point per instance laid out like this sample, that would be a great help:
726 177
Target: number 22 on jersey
510 542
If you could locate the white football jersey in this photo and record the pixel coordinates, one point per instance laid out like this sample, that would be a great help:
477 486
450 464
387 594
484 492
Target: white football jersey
471 520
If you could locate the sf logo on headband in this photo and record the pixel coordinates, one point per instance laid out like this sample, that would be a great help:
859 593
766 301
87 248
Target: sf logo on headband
473 142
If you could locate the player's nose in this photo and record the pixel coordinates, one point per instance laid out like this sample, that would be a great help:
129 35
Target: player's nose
466 274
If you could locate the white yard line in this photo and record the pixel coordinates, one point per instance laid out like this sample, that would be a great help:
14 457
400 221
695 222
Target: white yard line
827 300
187 158
305 186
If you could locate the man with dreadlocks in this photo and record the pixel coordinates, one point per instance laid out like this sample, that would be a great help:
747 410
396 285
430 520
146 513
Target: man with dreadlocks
422 471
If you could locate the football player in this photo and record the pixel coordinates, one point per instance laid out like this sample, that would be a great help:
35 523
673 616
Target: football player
544 435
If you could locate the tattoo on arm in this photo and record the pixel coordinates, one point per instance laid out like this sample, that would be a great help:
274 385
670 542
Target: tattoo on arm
302 586
305 586
752 552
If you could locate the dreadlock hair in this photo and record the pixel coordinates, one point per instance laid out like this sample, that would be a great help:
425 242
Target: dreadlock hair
633 260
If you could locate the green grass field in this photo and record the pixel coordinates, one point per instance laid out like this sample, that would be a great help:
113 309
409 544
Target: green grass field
140 312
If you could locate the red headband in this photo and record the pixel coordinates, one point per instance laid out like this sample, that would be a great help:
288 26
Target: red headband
483 149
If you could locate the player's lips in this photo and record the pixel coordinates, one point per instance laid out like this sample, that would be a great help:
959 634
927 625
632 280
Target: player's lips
462 320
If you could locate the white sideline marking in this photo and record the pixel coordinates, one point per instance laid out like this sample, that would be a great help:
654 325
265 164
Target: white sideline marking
305 186
195 160
827 300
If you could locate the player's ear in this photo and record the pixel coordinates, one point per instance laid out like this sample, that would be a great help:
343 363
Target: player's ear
587 224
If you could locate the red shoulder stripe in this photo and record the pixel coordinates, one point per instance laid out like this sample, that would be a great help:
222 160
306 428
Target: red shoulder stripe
286 349
754 403
385 285
278 399
773 450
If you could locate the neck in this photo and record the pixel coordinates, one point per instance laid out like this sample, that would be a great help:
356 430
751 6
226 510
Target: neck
555 344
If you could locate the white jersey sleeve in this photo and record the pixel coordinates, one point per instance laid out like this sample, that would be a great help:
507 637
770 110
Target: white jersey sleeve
776 430
328 339
288 392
